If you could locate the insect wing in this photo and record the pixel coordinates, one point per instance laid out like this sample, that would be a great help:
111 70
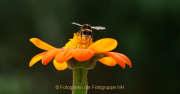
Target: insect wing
76 24
98 27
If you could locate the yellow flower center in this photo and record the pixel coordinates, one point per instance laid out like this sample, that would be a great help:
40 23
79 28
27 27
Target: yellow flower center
78 42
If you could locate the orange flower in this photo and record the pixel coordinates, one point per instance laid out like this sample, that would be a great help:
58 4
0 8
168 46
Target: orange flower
80 50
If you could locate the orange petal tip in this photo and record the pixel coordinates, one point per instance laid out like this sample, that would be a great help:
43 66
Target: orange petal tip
109 61
50 55
60 66
40 44
126 59
36 58
117 58
103 45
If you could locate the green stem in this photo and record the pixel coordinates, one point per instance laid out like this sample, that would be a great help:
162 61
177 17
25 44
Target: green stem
80 81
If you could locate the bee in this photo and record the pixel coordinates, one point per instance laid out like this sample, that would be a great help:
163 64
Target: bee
86 30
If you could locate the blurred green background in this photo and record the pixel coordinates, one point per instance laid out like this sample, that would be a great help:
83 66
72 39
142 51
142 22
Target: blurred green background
147 31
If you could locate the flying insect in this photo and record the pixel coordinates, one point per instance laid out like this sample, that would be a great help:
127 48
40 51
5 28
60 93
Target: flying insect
86 30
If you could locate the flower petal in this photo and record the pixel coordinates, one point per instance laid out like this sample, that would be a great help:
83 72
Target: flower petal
50 55
40 44
36 58
82 54
103 45
63 56
126 59
60 66
117 58
109 61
